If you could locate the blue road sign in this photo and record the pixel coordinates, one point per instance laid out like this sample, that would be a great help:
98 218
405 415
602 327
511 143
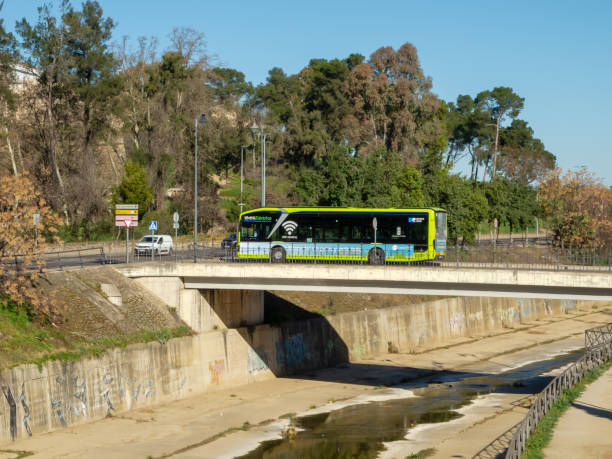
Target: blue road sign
153 225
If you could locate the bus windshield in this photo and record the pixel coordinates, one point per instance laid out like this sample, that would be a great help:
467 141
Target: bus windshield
257 227
441 225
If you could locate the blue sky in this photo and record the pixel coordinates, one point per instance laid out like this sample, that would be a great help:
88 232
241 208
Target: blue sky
556 54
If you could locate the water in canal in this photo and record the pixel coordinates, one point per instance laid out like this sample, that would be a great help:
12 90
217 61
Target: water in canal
358 431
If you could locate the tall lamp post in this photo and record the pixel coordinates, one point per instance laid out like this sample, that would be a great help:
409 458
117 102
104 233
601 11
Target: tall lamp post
241 204
258 132
202 119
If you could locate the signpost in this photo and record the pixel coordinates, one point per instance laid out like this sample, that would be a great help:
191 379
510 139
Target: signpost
126 215
36 220
127 240
494 240
375 226
175 225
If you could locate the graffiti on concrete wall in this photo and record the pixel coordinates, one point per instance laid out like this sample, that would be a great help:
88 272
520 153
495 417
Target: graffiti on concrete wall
568 305
68 397
510 315
109 405
57 406
291 351
457 322
475 318
26 411
80 394
359 350
136 391
257 360
216 371
149 391
12 410
548 308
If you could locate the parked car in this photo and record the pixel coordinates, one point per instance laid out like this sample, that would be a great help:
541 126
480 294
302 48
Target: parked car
230 241
156 244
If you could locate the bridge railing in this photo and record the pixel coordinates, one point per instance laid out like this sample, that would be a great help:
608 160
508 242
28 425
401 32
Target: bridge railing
598 350
530 257
61 259
511 257
181 252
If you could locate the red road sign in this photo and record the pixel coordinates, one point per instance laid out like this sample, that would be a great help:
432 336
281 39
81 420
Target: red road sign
121 219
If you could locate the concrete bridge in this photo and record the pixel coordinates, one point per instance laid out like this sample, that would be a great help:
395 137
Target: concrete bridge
451 281
209 296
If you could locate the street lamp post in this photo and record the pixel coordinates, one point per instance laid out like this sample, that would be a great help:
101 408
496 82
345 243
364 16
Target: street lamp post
258 132
241 204
202 120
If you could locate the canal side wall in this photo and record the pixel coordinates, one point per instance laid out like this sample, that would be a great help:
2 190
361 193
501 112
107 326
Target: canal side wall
59 394
417 327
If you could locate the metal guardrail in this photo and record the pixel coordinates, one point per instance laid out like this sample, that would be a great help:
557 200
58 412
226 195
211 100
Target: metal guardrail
598 342
463 257
55 260
76 257
515 241
508 257
181 252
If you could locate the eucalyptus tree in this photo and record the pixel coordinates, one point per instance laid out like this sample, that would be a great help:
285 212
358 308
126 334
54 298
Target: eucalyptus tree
49 100
468 131
8 58
500 103
392 104
73 104
523 157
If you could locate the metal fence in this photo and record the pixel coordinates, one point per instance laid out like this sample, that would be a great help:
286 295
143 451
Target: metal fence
598 350
181 252
463 256
531 257
55 260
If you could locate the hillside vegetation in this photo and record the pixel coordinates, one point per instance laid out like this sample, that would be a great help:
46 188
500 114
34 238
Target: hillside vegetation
85 323
88 123
95 122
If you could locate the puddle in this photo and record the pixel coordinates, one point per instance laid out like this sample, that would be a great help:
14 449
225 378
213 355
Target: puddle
358 431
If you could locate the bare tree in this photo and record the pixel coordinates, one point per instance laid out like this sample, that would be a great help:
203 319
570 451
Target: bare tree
190 44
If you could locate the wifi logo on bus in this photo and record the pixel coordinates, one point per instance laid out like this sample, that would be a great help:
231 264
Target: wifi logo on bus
289 226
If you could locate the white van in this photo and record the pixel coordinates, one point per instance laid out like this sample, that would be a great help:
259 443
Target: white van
158 244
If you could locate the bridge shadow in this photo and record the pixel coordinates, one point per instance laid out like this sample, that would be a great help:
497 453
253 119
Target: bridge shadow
308 347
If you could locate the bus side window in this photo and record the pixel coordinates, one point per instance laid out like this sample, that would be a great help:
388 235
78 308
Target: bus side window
304 228
332 230
355 225
317 234
367 234
346 230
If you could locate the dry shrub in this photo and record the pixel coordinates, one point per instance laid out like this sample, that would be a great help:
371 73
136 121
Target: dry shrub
578 207
21 259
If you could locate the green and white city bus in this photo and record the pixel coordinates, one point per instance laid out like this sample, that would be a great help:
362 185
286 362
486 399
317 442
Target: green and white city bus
375 236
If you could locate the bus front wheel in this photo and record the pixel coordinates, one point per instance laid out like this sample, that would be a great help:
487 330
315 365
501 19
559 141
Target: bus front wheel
277 255
376 257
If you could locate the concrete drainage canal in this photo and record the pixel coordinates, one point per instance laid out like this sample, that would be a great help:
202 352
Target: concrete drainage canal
359 430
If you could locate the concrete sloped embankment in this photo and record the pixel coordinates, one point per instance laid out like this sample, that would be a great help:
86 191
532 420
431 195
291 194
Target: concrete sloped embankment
61 394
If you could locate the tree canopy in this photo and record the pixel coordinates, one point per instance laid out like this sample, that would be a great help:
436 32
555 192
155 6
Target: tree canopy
100 123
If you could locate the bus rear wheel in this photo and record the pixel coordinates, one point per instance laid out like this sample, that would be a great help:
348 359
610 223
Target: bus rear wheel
376 256
278 255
